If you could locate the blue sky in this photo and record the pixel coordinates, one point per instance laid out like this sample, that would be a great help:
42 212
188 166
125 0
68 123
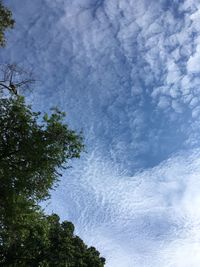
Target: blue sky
127 73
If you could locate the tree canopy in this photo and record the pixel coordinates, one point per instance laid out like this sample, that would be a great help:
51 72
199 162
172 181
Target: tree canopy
33 151
33 148
46 242
6 22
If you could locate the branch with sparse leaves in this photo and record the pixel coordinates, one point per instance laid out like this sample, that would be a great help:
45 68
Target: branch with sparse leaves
14 79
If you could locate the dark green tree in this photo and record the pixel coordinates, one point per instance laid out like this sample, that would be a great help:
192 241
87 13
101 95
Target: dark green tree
44 241
24 238
6 22
67 249
33 149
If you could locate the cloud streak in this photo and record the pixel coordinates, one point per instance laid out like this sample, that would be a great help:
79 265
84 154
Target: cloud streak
148 219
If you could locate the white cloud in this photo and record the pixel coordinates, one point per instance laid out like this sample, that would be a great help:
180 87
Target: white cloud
193 64
145 220
173 74
164 102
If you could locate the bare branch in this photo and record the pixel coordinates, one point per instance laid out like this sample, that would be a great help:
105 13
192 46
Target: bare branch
14 78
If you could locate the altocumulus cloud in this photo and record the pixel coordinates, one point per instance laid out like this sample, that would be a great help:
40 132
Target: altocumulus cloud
127 73
149 219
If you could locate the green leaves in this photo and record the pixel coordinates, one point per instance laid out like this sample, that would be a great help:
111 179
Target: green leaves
44 241
31 153
6 22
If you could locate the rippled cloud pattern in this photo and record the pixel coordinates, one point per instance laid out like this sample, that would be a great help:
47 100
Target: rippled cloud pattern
127 73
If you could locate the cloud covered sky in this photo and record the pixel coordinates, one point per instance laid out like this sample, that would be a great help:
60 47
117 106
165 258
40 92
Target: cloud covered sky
127 72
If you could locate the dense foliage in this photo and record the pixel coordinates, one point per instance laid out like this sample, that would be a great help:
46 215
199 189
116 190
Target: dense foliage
44 241
32 153
33 149
6 22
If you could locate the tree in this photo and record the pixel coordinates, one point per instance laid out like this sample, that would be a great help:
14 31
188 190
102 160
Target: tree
6 22
33 149
24 238
44 241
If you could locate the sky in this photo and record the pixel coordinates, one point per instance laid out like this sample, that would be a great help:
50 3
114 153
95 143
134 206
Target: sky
127 73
